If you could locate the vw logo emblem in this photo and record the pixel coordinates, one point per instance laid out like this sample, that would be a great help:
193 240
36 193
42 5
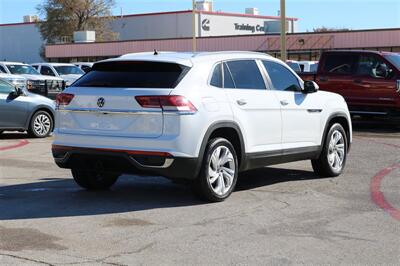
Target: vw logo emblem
101 102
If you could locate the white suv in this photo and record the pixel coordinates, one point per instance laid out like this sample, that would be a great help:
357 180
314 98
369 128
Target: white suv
201 117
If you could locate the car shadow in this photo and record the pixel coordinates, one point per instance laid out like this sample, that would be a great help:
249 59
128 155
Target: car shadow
14 135
54 197
268 176
375 125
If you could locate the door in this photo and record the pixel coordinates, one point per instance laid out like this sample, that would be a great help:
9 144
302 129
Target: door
337 74
301 113
374 85
13 110
254 107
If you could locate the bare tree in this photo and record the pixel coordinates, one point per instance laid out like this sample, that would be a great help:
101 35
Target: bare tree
62 17
327 29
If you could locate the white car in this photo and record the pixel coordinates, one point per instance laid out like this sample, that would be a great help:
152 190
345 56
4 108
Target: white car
16 80
68 72
202 117
308 66
45 85
85 66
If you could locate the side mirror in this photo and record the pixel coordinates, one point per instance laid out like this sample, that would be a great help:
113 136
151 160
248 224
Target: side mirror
18 92
310 86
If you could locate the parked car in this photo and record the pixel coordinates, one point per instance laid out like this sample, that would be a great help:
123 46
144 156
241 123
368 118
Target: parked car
68 72
201 117
368 80
18 81
36 83
308 66
21 110
85 66
294 65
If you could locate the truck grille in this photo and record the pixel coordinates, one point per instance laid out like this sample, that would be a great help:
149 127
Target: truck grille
48 88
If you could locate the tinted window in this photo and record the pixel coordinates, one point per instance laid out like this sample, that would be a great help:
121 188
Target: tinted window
370 65
340 63
67 70
86 68
2 69
246 75
133 74
22 69
282 79
5 88
45 70
313 67
216 79
228 80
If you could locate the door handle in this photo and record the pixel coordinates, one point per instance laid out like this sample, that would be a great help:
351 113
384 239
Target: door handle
241 102
358 81
284 102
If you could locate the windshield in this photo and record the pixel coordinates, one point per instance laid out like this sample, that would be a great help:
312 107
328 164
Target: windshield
68 70
394 59
22 69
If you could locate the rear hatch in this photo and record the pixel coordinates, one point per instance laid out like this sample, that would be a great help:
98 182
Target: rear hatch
104 101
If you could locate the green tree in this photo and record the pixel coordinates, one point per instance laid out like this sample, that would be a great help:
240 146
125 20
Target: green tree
60 18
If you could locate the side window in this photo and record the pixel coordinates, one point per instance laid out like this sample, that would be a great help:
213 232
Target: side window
35 67
340 64
282 79
228 80
45 70
5 88
372 66
86 68
216 79
246 74
2 69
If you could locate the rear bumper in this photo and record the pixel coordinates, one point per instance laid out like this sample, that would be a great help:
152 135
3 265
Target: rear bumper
126 162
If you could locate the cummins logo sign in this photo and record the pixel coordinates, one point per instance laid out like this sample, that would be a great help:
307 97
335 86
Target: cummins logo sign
205 24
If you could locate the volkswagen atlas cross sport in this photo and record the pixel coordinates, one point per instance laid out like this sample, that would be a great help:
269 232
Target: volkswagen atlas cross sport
202 117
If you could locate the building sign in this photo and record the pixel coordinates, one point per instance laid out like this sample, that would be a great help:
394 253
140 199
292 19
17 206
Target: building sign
248 27
205 24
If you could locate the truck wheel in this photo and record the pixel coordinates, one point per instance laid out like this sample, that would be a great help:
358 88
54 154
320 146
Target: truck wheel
41 125
92 180
333 157
219 171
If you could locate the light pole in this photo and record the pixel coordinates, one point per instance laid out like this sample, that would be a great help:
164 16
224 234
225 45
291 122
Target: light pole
194 45
283 31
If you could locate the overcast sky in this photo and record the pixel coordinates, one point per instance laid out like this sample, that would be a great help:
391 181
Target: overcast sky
353 14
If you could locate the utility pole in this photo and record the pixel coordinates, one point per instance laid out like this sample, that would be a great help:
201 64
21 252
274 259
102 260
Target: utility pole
283 31
194 25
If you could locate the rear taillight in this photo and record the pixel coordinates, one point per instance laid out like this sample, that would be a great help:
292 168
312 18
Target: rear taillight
64 99
172 103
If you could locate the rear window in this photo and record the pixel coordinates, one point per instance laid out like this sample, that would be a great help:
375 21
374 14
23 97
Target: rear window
340 63
133 74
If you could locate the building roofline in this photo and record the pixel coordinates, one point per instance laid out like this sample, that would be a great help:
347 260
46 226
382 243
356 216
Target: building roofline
229 36
17 24
205 12
172 13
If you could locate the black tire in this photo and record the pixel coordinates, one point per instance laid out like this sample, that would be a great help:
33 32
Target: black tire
36 134
202 186
92 180
321 166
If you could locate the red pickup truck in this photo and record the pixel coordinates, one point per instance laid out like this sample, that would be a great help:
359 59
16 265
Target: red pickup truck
368 80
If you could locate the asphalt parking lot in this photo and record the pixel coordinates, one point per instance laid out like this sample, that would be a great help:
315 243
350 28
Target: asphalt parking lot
279 215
